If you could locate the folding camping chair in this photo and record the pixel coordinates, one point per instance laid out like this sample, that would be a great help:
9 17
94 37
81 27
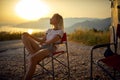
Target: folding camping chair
54 57
111 58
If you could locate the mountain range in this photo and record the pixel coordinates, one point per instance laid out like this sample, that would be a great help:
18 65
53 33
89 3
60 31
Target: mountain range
70 24
98 24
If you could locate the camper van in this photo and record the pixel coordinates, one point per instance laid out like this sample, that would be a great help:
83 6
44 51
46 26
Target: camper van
115 20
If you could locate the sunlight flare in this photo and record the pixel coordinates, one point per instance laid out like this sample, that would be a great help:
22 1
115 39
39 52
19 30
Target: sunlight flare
30 31
31 9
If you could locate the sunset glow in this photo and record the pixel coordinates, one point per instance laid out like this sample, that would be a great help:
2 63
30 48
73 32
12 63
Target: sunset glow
30 31
31 9
20 11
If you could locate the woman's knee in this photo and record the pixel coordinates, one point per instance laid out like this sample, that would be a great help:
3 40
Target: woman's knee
25 35
32 60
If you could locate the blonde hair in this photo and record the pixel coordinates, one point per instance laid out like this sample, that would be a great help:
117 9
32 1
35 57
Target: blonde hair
60 21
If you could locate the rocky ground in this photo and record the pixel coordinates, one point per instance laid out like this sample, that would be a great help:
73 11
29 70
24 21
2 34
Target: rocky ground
12 61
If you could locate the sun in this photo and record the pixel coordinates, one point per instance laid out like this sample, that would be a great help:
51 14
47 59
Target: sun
31 9
30 31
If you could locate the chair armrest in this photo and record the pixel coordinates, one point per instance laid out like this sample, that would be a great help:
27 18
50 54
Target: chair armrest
102 45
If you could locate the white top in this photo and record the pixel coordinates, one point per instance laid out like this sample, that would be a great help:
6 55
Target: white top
52 33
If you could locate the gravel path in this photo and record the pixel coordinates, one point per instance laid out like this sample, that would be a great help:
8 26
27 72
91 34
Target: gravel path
11 62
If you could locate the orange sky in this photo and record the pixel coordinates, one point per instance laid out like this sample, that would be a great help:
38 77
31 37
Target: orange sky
67 8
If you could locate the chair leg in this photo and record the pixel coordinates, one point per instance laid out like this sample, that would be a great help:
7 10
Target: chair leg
91 71
24 61
53 74
114 74
68 65
43 66
91 66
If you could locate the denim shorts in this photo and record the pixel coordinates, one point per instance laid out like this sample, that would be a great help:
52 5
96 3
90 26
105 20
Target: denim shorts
49 47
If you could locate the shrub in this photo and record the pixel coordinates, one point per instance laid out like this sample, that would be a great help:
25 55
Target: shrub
89 37
15 35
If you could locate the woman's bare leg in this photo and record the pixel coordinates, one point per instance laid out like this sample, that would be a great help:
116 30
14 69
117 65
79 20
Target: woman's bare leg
34 59
29 43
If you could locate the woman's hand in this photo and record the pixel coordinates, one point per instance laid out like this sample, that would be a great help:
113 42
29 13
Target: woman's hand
43 43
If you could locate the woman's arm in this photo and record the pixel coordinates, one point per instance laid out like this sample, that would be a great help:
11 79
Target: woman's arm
55 39
42 39
36 38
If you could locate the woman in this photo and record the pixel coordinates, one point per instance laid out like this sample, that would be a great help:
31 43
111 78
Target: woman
41 48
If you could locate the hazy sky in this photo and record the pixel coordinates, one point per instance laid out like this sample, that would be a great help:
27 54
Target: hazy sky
67 8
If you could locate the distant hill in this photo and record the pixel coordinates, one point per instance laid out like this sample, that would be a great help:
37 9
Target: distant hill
44 23
6 24
98 24
40 24
70 24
